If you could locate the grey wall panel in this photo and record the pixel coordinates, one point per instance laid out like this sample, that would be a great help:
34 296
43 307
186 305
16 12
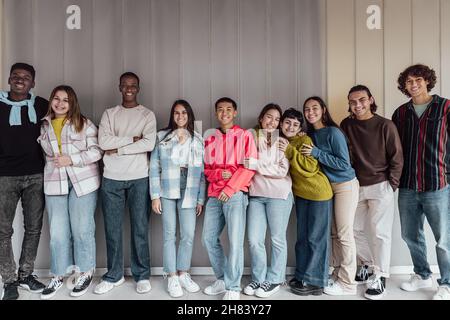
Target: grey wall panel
167 57
251 50
281 48
310 68
224 51
196 57
108 58
78 64
19 40
253 60
137 54
48 22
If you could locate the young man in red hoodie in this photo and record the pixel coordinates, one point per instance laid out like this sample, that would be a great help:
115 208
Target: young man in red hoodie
225 151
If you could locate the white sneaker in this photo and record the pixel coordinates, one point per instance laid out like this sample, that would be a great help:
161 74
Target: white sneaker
187 283
174 287
336 289
232 295
105 286
143 286
443 293
416 282
216 288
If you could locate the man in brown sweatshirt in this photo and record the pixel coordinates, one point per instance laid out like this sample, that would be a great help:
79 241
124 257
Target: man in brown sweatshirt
378 161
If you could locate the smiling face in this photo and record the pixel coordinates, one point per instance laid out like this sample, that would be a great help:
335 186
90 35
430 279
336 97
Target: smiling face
290 127
60 104
360 103
21 82
313 112
180 116
129 87
270 120
416 87
225 114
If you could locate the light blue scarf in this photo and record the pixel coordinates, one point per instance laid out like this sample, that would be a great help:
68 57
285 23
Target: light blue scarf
15 118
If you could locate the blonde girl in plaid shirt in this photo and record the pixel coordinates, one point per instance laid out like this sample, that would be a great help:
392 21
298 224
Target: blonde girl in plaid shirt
71 181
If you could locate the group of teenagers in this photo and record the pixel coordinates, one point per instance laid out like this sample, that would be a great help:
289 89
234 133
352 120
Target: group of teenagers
340 179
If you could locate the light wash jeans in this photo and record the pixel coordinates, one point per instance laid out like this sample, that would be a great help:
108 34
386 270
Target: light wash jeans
233 214
188 218
414 207
72 231
275 213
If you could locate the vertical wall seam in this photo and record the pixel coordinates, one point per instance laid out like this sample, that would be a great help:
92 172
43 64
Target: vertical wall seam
411 11
210 44
268 91
238 46
181 44
297 53
440 46
355 45
122 24
383 43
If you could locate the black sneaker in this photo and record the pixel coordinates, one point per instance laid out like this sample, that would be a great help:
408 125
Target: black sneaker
10 291
363 275
304 289
376 288
295 283
251 288
83 283
55 284
266 289
31 284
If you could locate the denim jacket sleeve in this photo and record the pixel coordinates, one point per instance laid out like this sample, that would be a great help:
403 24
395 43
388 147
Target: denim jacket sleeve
155 173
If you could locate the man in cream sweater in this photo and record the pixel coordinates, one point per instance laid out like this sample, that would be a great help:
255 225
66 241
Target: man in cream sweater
127 133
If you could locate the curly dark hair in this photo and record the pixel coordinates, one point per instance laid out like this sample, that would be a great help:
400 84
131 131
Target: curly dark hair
417 70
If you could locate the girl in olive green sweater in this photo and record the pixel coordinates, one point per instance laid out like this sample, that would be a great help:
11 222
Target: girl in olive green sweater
313 205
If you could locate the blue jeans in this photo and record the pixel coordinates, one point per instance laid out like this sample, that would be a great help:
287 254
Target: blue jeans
72 231
114 194
313 240
188 218
261 212
414 207
233 214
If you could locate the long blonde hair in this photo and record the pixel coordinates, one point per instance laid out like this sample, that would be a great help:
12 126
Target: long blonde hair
74 115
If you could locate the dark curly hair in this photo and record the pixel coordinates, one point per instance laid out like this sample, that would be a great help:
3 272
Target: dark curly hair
417 70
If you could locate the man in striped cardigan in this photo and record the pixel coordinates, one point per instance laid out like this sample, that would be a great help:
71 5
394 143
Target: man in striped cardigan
423 125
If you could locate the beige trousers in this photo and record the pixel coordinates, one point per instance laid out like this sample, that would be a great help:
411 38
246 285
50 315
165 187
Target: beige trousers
373 227
343 256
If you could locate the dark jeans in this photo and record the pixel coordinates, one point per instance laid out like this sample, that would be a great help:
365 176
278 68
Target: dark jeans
313 241
114 194
31 190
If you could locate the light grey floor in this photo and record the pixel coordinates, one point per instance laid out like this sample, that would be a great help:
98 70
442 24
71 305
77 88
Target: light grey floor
127 291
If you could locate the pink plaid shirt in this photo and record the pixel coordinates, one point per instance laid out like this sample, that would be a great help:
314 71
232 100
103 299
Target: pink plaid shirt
83 149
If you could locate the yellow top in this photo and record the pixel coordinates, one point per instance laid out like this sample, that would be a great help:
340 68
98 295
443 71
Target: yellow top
308 180
58 124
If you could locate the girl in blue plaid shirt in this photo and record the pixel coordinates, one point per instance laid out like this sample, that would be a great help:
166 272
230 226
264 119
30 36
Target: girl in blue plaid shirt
177 184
